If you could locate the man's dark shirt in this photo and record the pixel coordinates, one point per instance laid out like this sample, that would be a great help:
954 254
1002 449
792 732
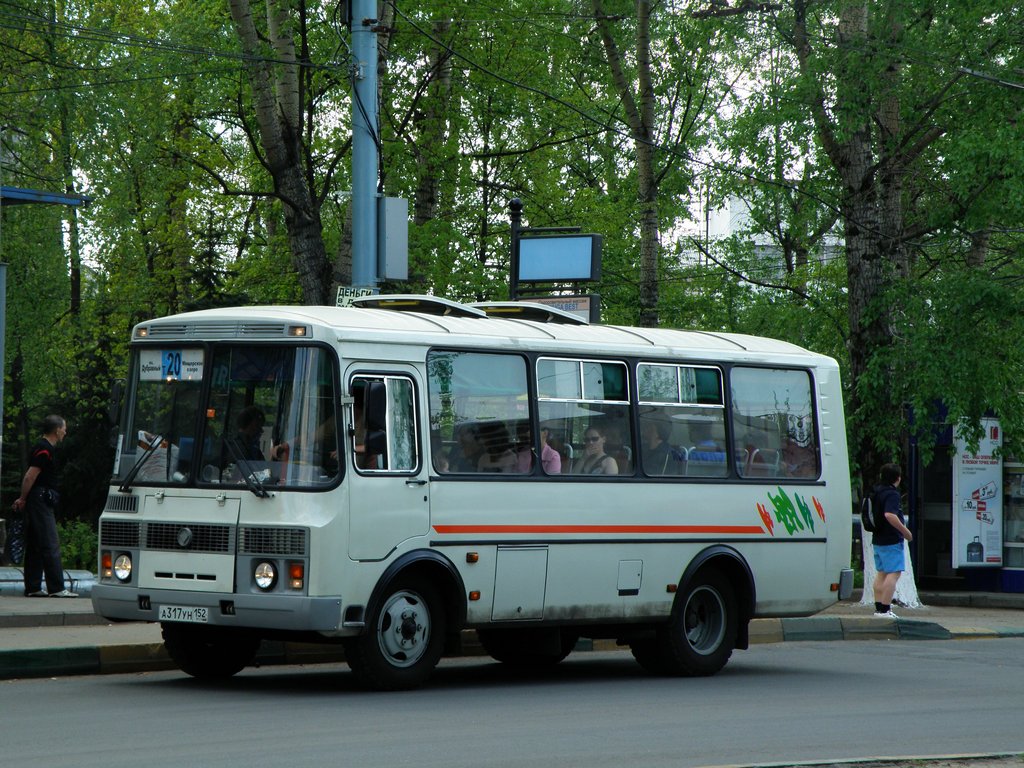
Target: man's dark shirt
42 456
886 499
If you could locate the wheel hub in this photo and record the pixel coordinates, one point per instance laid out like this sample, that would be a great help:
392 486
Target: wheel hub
408 627
403 631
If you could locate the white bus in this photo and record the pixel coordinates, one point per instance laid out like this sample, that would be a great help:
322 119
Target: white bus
387 475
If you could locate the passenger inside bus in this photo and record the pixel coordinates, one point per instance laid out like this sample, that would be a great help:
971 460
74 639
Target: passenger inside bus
657 455
550 459
363 459
250 430
438 454
555 438
798 460
595 461
497 454
524 448
310 456
618 448
465 454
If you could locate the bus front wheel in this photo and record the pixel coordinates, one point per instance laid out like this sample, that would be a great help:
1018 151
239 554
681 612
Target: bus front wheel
209 653
404 639
701 631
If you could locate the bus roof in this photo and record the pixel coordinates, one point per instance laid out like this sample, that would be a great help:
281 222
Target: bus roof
430 326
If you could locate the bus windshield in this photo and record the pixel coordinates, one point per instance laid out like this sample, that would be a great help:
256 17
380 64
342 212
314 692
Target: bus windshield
230 415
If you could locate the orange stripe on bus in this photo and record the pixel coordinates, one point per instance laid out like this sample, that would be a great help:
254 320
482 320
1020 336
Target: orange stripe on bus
721 529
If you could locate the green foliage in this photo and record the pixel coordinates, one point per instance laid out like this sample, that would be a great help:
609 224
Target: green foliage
481 104
78 547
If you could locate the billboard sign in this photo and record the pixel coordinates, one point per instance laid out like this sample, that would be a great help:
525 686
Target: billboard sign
554 258
978 501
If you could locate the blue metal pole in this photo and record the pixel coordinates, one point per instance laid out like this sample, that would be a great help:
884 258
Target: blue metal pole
365 166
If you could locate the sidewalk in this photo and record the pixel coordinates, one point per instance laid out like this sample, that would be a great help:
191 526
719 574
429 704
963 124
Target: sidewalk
43 637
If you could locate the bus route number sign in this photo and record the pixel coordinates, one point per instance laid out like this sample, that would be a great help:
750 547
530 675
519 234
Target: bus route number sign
170 364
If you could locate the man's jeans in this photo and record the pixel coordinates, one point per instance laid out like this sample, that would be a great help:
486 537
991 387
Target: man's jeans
42 547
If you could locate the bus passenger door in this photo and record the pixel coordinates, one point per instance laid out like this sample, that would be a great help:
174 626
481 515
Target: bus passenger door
387 480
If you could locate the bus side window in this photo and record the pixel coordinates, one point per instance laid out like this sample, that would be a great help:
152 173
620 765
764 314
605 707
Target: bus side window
478 403
774 408
384 435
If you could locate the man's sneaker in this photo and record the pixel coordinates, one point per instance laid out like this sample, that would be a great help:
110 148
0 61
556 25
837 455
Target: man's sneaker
886 615
37 593
64 593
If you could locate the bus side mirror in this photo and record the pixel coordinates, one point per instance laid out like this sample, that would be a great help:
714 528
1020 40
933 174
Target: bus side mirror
116 396
376 411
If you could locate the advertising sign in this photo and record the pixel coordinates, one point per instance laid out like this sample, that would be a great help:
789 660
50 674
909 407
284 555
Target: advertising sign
587 307
978 501
559 257
346 294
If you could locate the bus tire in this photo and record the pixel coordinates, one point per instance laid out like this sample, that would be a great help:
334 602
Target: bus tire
209 653
404 638
650 655
527 649
701 632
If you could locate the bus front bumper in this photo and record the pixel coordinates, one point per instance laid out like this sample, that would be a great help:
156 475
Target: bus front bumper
272 612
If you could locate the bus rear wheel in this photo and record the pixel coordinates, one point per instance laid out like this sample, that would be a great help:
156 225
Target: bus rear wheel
700 634
404 639
526 648
209 653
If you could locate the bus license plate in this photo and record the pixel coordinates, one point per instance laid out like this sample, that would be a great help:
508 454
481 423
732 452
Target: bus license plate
183 613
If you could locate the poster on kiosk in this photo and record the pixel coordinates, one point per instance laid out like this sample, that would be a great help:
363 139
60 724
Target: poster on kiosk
978 501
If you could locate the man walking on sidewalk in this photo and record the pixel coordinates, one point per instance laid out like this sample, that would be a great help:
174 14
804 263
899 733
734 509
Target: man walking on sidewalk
39 499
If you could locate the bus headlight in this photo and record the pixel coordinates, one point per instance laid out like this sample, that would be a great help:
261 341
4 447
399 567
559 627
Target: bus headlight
265 575
123 567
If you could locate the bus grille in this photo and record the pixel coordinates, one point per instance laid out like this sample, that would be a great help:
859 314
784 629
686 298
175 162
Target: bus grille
117 533
217 330
273 541
122 503
262 329
204 538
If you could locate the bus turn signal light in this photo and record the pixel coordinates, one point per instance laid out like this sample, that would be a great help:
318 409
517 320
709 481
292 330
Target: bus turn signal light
296 575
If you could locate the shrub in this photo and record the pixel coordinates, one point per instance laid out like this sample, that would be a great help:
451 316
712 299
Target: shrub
77 545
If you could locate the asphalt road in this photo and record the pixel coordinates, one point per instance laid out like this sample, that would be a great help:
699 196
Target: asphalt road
775 703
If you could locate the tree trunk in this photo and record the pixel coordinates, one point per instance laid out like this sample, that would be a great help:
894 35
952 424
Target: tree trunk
640 117
433 131
283 156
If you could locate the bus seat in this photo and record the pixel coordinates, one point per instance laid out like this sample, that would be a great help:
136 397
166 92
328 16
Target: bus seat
763 463
624 458
568 454
705 463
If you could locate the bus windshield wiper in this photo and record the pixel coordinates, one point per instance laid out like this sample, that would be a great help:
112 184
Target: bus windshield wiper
150 448
248 473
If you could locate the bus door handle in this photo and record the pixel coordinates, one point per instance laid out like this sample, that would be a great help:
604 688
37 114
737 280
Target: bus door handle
411 482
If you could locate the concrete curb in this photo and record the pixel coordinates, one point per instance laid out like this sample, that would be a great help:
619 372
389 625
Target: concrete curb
28 620
151 657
